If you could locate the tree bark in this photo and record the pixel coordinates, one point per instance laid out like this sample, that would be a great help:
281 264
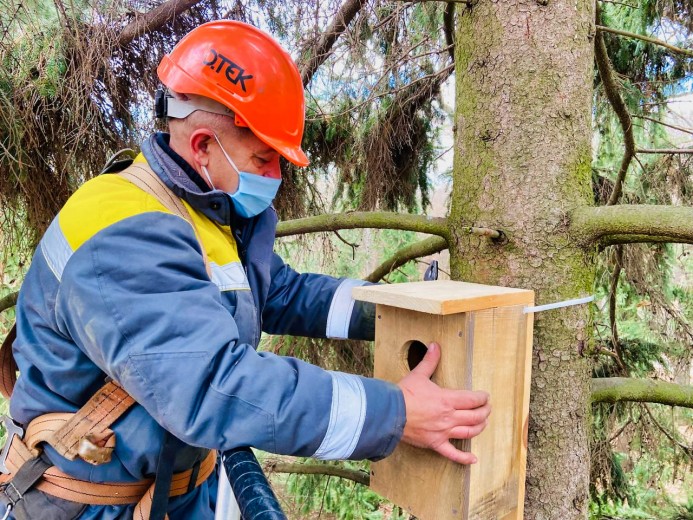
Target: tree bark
522 161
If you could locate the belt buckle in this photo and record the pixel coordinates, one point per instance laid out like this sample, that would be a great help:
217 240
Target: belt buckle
13 430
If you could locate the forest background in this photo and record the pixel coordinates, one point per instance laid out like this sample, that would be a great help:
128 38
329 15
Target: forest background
570 177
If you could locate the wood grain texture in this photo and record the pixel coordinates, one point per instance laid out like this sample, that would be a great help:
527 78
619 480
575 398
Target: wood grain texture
443 296
481 350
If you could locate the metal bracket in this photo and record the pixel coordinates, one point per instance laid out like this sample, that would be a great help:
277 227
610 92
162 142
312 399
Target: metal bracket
12 430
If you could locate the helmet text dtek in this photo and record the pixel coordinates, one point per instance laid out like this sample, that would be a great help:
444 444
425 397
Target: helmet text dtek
234 73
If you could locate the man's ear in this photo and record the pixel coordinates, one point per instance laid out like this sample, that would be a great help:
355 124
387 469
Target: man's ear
200 140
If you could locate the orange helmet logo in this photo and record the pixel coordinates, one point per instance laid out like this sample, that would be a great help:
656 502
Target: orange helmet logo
234 72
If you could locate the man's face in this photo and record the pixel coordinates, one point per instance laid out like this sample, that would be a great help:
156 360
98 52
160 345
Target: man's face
248 153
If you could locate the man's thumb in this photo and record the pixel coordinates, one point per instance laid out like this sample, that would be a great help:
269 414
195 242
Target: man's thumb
429 363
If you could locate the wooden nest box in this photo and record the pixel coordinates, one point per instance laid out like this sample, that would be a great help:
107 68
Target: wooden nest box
486 344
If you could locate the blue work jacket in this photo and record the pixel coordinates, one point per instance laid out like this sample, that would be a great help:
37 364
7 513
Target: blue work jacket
118 288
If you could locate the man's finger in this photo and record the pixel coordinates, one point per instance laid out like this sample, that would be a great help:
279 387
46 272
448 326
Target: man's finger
429 363
448 451
471 417
468 399
467 432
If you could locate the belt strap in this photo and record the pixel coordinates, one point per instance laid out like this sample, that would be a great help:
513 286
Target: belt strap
55 482
8 366
142 176
85 433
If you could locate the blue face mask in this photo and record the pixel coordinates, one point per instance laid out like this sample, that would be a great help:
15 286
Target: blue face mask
254 194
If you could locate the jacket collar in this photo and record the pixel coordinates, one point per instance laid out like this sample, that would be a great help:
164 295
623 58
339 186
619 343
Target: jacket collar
214 204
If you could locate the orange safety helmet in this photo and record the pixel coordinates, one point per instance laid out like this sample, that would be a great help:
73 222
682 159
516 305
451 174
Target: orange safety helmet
246 70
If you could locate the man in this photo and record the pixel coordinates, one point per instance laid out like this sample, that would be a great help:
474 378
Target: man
161 279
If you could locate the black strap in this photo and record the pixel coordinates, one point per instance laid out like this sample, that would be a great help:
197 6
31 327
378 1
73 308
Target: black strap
195 471
164 474
26 476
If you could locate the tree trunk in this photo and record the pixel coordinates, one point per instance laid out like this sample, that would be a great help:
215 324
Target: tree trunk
522 163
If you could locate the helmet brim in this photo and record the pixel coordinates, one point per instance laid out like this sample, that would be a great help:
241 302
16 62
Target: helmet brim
294 155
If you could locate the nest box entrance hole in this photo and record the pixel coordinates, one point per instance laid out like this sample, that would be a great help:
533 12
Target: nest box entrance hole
414 351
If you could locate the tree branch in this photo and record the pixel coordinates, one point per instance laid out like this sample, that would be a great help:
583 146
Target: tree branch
669 125
425 247
648 39
613 291
616 389
686 449
449 28
321 51
358 476
627 224
8 301
612 94
154 19
665 150
364 219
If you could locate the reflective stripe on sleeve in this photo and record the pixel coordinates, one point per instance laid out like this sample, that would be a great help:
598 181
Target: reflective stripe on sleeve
229 277
341 307
347 416
56 249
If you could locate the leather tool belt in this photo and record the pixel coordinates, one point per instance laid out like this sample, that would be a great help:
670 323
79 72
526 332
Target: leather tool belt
85 435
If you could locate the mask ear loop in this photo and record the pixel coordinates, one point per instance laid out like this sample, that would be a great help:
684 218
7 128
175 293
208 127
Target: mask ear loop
233 164
204 169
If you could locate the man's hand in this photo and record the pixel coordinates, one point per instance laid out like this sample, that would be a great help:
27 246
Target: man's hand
435 415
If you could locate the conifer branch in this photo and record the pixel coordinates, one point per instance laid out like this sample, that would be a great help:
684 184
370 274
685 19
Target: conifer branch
425 247
449 28
688 450
668 125
648 39
322 50
364 219
154 19
358 476
633 223
613 292
665 150
616 389
8 301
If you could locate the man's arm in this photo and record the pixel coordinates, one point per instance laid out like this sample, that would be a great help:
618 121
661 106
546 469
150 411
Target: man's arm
315 305
136 299
301 304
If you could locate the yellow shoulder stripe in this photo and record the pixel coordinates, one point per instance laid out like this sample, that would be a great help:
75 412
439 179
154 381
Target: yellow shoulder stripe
108 199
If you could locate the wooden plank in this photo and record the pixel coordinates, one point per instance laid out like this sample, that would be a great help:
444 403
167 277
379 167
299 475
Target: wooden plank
421 481
443 296
501 352
484 349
